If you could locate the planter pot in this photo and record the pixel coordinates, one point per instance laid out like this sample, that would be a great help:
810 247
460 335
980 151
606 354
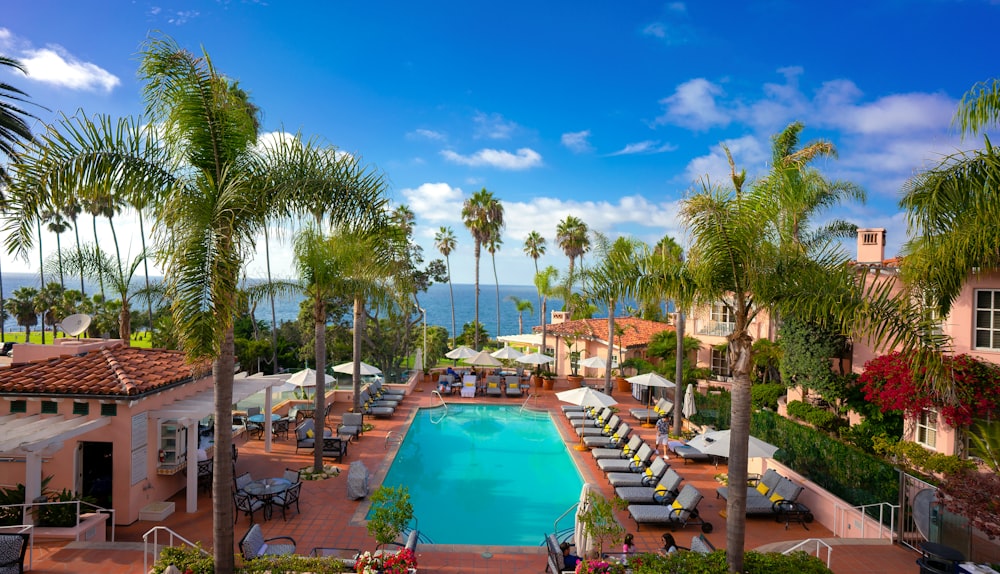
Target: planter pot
575 380
623 385
548 383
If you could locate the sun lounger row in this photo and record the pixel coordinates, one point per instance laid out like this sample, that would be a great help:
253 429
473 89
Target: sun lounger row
643 414
772 495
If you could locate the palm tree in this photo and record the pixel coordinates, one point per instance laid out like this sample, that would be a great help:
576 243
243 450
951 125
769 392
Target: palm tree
614 278
483 216
546 284
522 306
534 247
72 209
21 306
14 129
56 223
572 237
493 245
445 242
200 158
98 265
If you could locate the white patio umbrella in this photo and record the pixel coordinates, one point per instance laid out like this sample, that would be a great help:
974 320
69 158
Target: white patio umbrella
348 369
581 538
650 380
716 443
594 362
535 359
507 352
483 359
460 352
585 397
689 408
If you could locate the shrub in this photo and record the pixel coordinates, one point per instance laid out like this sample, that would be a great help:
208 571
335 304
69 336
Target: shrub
817 417
766 395
715 563
192 559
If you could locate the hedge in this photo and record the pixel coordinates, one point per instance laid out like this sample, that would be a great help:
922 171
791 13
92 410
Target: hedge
715 563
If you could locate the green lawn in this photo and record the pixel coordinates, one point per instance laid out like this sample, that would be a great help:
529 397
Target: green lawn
141 340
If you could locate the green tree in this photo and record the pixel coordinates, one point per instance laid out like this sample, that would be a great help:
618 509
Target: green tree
483 217
572 236
807 349
99 266
493 245
445 242
522 306
545 283
21 306
534 247
14 128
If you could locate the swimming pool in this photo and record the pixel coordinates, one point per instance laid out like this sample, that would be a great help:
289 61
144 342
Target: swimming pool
485 474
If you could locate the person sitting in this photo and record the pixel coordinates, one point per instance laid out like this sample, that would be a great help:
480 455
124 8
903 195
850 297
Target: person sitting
628 546
669 546
570 560
444 387
453 373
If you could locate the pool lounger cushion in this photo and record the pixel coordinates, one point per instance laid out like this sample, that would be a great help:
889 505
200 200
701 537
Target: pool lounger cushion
680 513
606 429
690 453
644 454
623 433
601 453
664 492
647 477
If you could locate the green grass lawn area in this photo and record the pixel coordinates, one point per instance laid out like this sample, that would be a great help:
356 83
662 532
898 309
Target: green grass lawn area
142 340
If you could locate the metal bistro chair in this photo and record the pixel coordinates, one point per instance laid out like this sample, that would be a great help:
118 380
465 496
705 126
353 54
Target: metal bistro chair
279 428
246 504
252 427
206 468
288 498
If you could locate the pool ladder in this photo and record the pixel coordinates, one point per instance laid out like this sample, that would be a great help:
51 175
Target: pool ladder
444 404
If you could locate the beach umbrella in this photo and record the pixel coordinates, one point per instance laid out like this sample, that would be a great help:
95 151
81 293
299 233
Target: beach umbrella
650 380
581 538
535 359
716 443
460 352
507 352
689 408
348 369
586 397
594 362
483 359
301 379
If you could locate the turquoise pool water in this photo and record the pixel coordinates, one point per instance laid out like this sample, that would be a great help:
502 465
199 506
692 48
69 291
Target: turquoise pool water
485 474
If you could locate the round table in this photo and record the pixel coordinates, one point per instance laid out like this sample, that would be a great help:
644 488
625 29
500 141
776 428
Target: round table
259 419
265 490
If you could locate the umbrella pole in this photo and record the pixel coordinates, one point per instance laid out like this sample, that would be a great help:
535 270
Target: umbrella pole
649 407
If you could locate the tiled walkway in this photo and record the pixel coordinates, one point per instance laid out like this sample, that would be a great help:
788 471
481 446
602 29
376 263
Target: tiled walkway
328 518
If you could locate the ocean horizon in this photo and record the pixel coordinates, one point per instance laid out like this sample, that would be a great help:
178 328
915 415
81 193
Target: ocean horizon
436 301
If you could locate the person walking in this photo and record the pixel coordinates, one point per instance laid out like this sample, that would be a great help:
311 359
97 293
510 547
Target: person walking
663 433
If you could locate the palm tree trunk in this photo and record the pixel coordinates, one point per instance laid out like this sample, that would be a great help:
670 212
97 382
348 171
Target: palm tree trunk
679 372
319 350
97 243
611 338
41 276
222 479
145 264
496 281
270 292
740 431
451 292
356 376
475 327
62 281
545 324
124 324
76 232
539 291
118 253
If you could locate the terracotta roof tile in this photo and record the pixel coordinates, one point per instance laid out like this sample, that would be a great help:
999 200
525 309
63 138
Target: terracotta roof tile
638 332
114 371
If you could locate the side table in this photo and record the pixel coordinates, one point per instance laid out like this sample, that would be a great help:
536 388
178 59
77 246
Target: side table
788 512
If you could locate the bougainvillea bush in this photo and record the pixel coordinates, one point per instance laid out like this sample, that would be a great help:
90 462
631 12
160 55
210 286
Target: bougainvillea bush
890 382
976 496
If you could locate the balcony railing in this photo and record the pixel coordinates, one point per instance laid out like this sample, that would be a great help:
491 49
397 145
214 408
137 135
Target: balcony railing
715 328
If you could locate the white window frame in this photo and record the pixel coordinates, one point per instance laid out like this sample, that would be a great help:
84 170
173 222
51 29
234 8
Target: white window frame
720 364
927 429
991 325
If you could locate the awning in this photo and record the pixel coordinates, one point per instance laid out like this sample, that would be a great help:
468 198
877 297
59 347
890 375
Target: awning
34 434
532 339
202 404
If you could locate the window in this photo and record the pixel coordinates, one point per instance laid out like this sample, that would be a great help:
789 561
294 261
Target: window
109 410
81 408
49 407
19 406
720 364
721 321
721 313
927 429
988 319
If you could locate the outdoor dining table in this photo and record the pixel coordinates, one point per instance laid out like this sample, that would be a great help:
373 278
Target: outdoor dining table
259 419
265 489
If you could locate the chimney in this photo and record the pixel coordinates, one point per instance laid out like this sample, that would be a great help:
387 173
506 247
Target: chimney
559 317
871 245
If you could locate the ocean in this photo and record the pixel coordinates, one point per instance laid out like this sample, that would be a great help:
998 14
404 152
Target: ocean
436 301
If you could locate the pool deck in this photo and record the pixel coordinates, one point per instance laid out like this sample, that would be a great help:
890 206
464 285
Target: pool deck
329 519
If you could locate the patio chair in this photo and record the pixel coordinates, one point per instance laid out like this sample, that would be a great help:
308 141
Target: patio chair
206 469
513 384
292 475
626 451
13 547
617 439
286 499
252 427
305 435
678 514
555 563
335 448
606 430
664 492
648 477
254 545
468 386
372 408
351 426
243 502
637 462
279 428
241 481
493 386
642 414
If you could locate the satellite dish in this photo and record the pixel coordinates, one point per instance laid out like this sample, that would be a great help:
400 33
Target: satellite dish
75 324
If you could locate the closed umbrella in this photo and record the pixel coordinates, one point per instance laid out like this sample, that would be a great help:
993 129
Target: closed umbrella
689 408
650 380
348 369
507 352
483 359
581 538
460 352
716 443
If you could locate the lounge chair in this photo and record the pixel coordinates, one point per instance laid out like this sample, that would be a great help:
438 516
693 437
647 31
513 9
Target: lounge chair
254 545
382 390
493 386
513 384
376 401
617 439
664 492
411 541
593 417
373 408
351 426
626 451
468 386
638 461
678 514
647 477
607 430
689 453
305 435
555 562
701 544
769 496
13 547
643 414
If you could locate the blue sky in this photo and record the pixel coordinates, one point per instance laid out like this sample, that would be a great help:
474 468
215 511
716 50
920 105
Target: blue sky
611 112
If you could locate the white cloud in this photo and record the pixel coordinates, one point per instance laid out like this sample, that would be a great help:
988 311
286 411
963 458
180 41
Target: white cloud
656 29
894 114
748 152
524 158
55 66
435 202
645 147
182 17
493 126
577 142
427 134
693 105
678 7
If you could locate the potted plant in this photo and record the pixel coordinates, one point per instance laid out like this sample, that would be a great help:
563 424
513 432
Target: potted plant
599 521
391 511
548 379
575 379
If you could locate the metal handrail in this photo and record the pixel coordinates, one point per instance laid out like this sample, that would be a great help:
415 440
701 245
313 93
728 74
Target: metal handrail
444 404
819 543
840 511
26 510
30 529
155 531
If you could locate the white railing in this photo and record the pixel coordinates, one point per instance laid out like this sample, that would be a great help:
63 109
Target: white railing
173 536
841 511
819 545
444 404
27 510
21 528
